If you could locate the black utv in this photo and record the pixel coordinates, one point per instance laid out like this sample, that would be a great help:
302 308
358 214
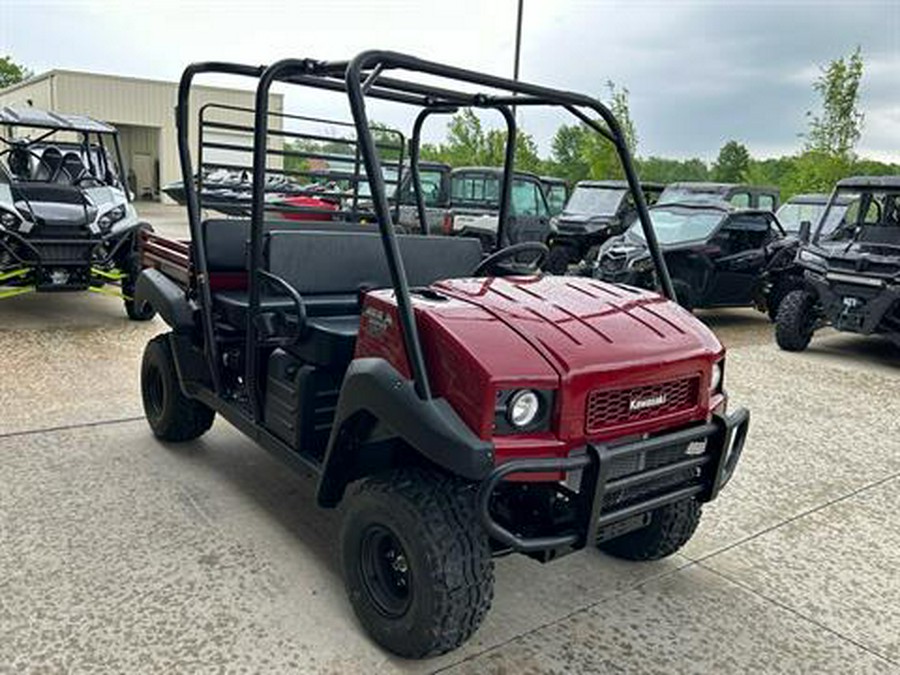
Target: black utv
737 194
718 256
850 266
595 211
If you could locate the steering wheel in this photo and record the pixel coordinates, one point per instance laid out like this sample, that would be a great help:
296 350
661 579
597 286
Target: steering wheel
493 263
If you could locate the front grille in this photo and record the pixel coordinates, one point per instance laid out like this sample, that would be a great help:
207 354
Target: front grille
613 407
76 253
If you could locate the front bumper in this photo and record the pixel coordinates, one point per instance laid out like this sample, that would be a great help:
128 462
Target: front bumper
855 307
59 264
711 470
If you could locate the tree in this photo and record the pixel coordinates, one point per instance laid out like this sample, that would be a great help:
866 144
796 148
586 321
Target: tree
838 128
732 163
665 170
470 144
11 72
567 151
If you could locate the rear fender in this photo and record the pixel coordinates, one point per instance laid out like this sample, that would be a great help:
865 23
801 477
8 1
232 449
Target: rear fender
376 402
166 297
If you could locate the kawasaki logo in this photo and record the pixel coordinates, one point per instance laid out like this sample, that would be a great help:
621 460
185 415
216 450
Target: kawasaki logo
637 404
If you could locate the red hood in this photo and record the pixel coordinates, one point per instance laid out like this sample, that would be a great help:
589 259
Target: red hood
572 335
583 326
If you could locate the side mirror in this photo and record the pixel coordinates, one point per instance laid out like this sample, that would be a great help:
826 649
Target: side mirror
805 230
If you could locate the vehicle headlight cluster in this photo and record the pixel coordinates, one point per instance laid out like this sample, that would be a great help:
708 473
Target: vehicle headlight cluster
715 380
111 217
642 264
522 410
9 220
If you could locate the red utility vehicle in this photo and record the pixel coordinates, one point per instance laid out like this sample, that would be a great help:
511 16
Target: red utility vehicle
460 406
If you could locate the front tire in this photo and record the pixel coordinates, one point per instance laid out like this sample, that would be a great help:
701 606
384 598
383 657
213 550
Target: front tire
417 564
670 528
135 312
172 415
796 321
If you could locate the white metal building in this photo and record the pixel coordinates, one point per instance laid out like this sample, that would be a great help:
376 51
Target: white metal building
142 110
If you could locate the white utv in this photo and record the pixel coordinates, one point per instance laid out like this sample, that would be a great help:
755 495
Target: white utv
66 219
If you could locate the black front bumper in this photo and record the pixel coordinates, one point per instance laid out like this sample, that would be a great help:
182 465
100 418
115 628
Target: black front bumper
724 439
855 307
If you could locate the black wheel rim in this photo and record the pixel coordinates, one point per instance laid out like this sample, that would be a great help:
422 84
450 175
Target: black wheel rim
154 392
385 573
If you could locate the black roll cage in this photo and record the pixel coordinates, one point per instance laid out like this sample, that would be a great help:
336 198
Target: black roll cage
364 76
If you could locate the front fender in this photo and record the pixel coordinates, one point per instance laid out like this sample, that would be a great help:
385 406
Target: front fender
373 389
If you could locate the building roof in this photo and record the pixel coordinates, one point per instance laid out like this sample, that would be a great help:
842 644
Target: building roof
123 78
46 119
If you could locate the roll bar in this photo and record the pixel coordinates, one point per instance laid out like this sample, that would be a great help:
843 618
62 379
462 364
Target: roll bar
366 76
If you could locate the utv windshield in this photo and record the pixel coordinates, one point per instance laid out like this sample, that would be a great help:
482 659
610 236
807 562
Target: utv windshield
677 225
556 199
862 215
594 201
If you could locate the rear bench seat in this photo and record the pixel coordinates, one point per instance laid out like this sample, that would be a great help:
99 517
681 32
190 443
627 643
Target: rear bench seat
330 268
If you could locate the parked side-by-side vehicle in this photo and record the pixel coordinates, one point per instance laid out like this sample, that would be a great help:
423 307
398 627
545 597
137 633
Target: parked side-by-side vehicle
850 265
458 405
596 211
717 255
66 218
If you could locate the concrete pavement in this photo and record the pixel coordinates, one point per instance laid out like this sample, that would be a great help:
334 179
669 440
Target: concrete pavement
121 554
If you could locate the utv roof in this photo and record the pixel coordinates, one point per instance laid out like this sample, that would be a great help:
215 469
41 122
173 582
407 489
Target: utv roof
892 182
47 119
811 198
619 184
816 198
704 186
495 169
553 179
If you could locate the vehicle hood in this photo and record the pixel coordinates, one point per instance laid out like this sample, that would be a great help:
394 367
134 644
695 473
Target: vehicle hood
579 326
56 214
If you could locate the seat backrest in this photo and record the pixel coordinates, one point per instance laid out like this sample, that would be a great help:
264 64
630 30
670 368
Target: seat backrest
228 239
345 262
72 166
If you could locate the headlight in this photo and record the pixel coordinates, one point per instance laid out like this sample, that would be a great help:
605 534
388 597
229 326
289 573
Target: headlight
642 264
715 381
110 217
524 407
9 220
520 411
810 257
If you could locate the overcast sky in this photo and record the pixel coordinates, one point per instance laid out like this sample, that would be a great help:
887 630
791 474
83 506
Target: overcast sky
700 73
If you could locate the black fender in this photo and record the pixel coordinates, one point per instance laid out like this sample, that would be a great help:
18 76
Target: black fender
166 297
374 395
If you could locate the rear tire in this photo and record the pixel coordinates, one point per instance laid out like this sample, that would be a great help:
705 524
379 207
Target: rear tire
172 415
796 321
670 528
417 563
559 259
